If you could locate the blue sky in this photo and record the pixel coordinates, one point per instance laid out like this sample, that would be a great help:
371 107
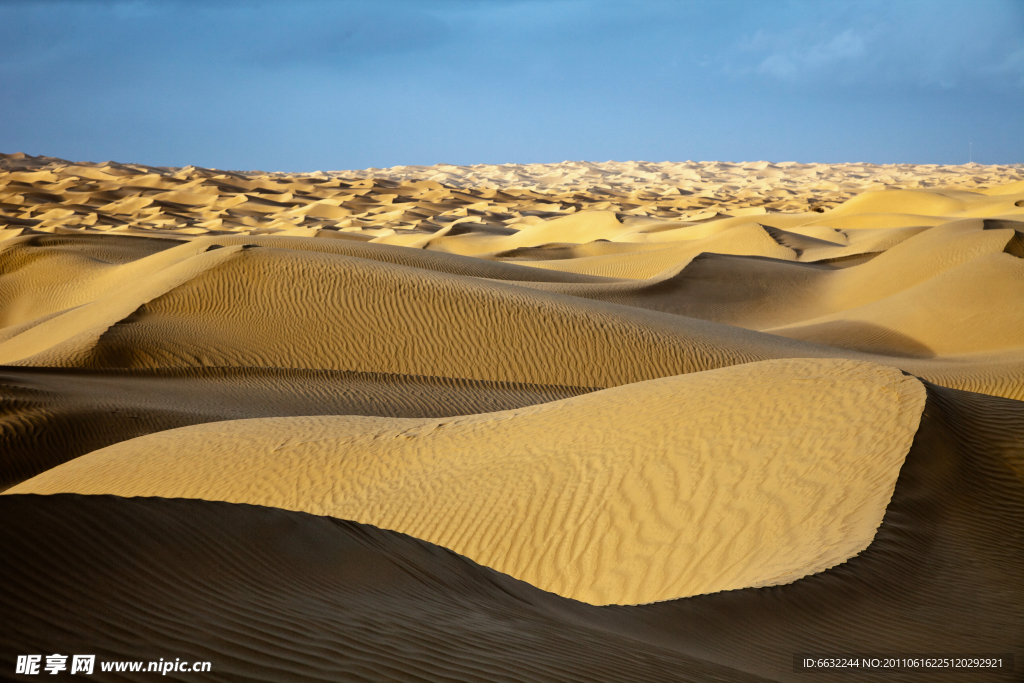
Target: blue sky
301 85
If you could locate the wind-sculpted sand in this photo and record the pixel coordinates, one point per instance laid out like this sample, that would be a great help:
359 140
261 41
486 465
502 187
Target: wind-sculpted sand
739 391
652 491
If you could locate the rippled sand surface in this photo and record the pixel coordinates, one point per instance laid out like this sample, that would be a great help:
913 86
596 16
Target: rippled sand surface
579 421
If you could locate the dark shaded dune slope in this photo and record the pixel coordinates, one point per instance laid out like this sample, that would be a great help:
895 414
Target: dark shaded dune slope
51 415
274 595
747 291
282 596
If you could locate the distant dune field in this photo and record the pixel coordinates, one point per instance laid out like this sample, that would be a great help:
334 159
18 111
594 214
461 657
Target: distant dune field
562 422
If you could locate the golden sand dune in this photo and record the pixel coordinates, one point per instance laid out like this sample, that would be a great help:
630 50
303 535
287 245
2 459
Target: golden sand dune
312 306
905 322
267 593
55 414
620 382
268 307
606 498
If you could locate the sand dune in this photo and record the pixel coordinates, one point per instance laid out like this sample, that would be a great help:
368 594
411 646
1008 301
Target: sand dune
694 384
598 498
54 414
284 595
196 304
274 308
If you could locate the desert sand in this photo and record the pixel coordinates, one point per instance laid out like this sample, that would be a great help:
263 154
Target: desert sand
549 422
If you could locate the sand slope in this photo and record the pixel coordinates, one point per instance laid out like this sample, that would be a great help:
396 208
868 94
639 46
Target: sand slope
604 498
52 415
943 574
266 594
